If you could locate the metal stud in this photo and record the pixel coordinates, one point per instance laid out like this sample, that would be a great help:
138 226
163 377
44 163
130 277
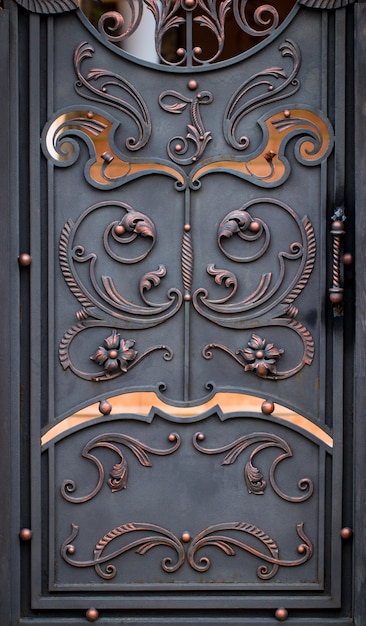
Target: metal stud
25 534
281 614
346 533
92 615
267 407
105 407
25 259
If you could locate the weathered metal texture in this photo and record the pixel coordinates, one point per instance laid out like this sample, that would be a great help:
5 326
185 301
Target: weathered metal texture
182 288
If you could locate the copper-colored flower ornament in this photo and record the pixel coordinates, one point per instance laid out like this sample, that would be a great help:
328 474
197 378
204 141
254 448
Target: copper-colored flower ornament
260 356
116 353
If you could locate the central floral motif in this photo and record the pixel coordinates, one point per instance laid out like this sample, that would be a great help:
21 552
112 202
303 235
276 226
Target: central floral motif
116 353
260 356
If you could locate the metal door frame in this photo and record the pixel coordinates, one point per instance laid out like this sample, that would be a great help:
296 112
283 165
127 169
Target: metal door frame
14 559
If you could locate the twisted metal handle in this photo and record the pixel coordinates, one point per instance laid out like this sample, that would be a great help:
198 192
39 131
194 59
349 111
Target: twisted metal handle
336 290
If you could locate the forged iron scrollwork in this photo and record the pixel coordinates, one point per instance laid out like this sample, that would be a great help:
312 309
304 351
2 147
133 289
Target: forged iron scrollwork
102 303
225 543
271 303
178 146
254 478
108 167
162 537
269 85
103 86
102 293
118 475
207 538
268 166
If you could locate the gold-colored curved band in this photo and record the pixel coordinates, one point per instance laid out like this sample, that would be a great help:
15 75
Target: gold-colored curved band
146 403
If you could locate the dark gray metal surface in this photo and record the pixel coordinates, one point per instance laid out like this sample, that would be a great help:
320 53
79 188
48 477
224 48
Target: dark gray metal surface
183 363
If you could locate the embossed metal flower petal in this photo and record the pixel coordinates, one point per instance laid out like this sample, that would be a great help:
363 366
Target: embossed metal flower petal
112 341
256 343
260 357
270 351
100 356
111 365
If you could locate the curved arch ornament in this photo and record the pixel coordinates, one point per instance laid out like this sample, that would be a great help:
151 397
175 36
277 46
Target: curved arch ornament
257 28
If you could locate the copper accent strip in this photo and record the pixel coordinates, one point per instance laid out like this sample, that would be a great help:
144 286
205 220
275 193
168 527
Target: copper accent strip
145 403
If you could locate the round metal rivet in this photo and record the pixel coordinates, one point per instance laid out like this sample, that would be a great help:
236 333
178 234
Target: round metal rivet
281 614
197 50
346 533
187 297
200 436
25 259
172 437
25 534
92 615
119 230
192 84
90 115
180 52
178 147
347 258
186 537
187 227
287 113
105 407
254 226
267 407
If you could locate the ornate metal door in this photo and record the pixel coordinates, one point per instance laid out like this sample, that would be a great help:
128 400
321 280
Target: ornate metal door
181 272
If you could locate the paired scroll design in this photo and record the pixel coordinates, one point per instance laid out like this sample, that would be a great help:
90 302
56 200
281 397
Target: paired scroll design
109 167
119 473
102 303
254 479
209 537
271 302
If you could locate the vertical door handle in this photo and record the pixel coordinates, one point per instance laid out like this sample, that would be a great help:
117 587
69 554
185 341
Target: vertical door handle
337 232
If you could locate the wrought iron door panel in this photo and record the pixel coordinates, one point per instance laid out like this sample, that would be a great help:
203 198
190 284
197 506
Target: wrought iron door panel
214 508
190 448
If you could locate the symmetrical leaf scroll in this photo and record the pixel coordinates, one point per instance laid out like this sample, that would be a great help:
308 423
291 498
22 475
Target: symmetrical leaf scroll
269 551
